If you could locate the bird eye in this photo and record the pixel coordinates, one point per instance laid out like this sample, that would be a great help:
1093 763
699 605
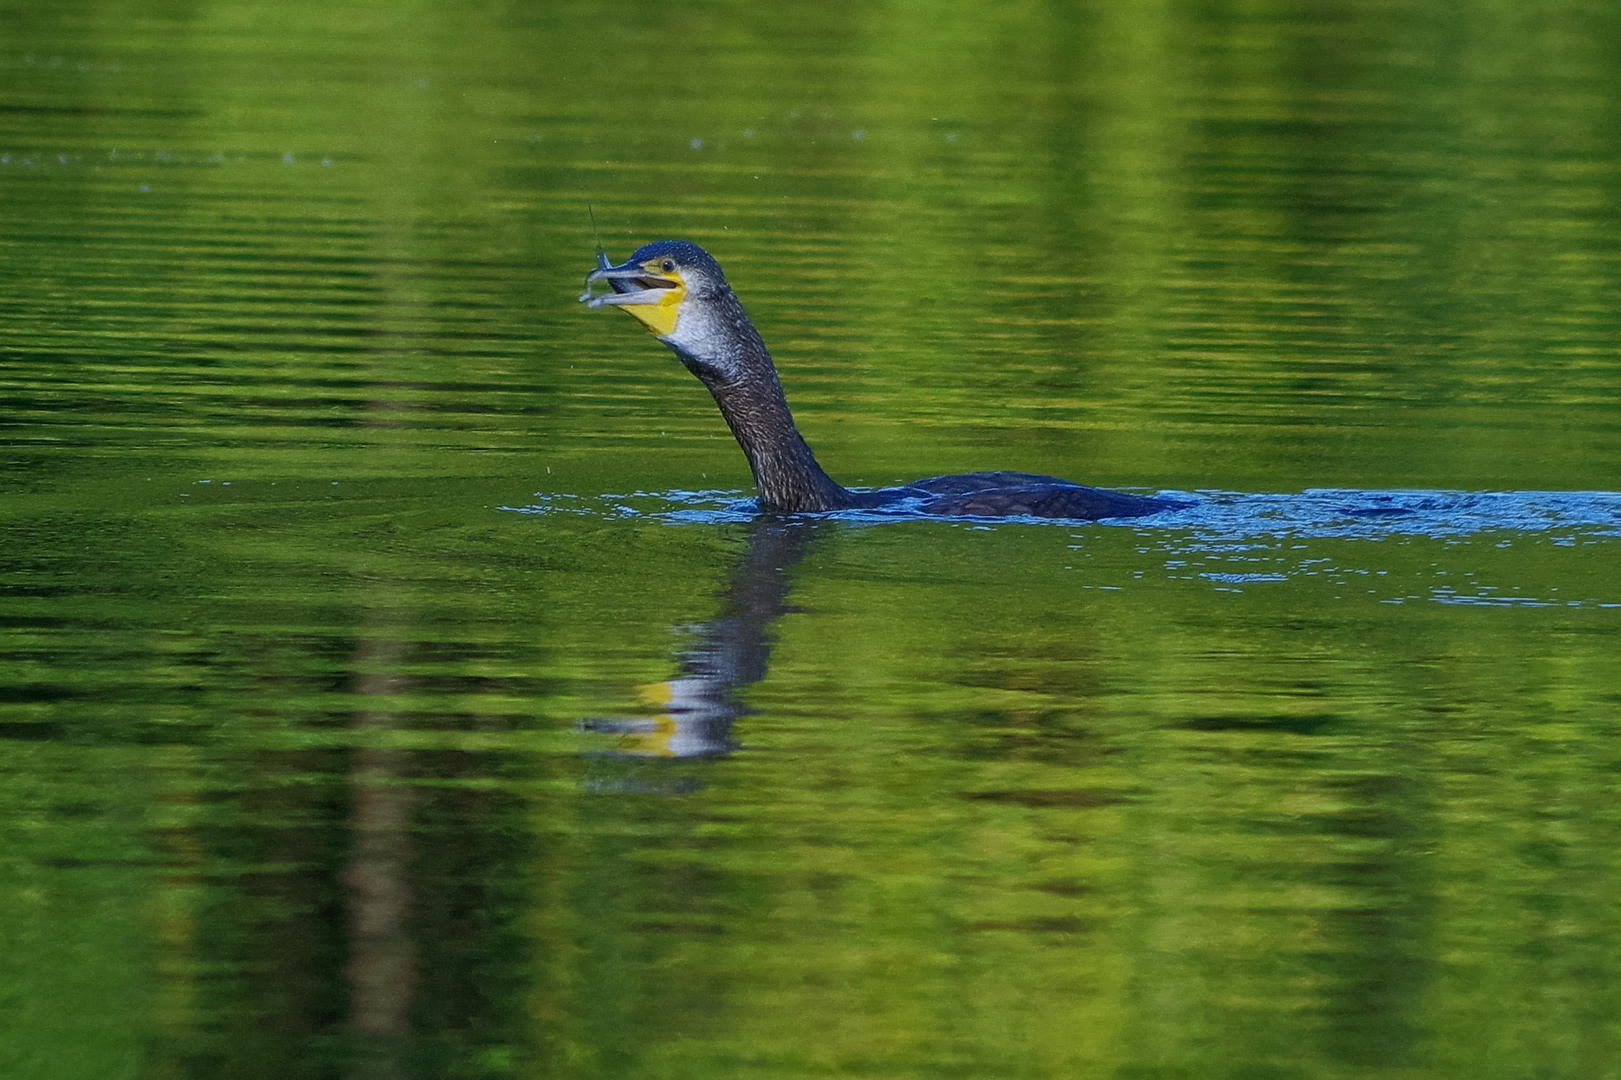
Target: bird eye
669 265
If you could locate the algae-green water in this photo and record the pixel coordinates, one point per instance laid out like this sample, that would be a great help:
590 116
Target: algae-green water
397 681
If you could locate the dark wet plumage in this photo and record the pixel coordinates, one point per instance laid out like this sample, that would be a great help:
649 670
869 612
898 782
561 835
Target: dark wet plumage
680 293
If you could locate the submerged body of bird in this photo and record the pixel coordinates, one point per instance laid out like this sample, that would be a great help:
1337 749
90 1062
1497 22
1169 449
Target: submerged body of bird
677 290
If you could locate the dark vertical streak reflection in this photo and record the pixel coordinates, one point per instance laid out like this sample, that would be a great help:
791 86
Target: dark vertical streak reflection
731 653
382 969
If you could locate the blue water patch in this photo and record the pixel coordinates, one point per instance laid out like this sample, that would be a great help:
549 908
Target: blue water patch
1242 579
1378 515
1335 538
705 507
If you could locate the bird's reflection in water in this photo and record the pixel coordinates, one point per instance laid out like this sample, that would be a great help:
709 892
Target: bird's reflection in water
696 708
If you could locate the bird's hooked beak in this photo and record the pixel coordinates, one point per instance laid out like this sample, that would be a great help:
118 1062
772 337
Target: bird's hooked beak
652 295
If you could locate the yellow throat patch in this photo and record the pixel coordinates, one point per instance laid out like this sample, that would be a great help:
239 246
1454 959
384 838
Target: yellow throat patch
661 317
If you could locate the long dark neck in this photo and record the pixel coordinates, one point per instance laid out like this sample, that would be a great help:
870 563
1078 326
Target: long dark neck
785 470
718 343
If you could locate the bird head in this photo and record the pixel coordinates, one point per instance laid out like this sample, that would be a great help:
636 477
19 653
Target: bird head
680 294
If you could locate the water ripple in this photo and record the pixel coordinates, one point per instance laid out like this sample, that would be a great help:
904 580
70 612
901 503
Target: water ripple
1215 517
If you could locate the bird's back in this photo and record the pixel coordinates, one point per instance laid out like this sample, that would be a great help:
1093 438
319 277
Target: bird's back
1008 494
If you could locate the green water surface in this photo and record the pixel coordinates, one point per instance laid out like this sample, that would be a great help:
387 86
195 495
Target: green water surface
395 680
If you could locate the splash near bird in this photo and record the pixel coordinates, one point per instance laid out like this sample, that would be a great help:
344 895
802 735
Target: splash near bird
680 294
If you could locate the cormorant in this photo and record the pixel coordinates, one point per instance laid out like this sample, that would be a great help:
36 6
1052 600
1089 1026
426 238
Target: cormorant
679 292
